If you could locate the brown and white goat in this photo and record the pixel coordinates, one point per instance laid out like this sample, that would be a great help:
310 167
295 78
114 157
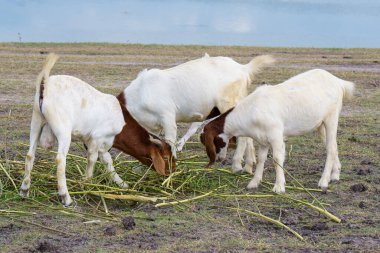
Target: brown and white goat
309 101
192 92
65 106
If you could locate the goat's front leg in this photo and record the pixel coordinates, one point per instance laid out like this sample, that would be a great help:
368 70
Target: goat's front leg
106 158
262 154
92 157
192 130
170 131
239 153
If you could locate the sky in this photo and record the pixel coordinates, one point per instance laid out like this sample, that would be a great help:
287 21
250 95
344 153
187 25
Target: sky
294 23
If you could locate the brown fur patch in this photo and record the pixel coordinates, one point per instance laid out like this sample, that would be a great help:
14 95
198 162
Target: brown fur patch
219 144
232 142
210 138
41 96
134 140
214 112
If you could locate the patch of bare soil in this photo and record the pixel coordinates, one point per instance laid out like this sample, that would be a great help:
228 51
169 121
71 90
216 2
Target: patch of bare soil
58 244
8 231
110 230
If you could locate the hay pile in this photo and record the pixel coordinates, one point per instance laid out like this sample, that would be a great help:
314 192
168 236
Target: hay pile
189 184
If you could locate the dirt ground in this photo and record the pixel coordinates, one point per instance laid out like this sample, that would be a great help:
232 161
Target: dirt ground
206 225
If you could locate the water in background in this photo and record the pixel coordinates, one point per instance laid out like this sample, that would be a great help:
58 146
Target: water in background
295 23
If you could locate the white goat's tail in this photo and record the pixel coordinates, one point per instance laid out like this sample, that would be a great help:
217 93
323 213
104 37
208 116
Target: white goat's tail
258 63
348 90
43 77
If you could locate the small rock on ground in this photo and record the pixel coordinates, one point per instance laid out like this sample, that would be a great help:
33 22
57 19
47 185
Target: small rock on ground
111 230
360 187
128 222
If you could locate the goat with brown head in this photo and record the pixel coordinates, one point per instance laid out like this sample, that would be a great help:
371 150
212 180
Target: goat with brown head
144 146
214 139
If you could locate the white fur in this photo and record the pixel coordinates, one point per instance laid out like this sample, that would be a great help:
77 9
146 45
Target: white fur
158 99
72 107
309 101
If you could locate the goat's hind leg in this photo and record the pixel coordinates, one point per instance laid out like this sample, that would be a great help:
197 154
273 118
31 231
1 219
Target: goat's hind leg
262 154
63 134
335 173
332 166
63 149
35 131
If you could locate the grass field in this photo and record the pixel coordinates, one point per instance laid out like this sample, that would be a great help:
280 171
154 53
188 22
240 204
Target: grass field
220 219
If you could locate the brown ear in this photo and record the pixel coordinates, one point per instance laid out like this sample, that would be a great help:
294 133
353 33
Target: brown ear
210 149
158 162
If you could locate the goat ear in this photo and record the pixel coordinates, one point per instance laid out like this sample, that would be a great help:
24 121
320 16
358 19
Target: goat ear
158 162
210 149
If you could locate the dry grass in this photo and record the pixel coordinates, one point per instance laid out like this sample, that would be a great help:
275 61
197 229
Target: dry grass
210 202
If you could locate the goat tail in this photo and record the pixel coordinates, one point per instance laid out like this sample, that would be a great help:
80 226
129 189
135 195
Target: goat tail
258 63
44 74
348 90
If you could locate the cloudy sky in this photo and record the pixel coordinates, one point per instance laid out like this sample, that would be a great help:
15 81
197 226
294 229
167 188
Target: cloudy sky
305 23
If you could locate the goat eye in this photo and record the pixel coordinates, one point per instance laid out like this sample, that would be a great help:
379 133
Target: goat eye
158 146
219 143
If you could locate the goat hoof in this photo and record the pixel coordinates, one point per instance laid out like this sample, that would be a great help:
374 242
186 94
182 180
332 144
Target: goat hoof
248 169
237 168
24 193
253 185
86 179
66 200
334 177
324 190
278 188
323 184
180 146
124 185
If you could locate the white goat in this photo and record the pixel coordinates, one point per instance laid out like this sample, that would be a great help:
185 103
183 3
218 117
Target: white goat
308 101
66 106
189 92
